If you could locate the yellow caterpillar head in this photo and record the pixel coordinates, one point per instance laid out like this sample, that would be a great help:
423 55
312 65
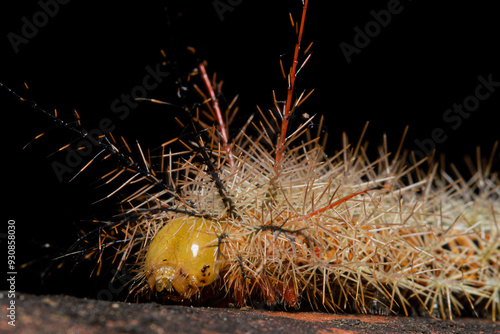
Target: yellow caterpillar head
183 256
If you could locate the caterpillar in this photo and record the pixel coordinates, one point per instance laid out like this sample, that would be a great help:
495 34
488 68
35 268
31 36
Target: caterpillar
264 214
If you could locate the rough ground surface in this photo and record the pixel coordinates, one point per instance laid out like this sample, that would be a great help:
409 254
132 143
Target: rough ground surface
65 314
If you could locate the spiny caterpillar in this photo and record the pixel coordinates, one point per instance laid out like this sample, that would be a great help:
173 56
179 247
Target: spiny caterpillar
268 216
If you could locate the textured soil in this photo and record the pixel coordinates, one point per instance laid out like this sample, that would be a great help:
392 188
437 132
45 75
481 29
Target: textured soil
66 314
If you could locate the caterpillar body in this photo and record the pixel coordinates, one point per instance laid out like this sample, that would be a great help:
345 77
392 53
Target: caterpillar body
266 216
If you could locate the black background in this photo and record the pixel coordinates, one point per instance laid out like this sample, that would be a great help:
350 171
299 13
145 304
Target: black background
428 58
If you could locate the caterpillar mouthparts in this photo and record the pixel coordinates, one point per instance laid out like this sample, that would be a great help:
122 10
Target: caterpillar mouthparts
265 215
